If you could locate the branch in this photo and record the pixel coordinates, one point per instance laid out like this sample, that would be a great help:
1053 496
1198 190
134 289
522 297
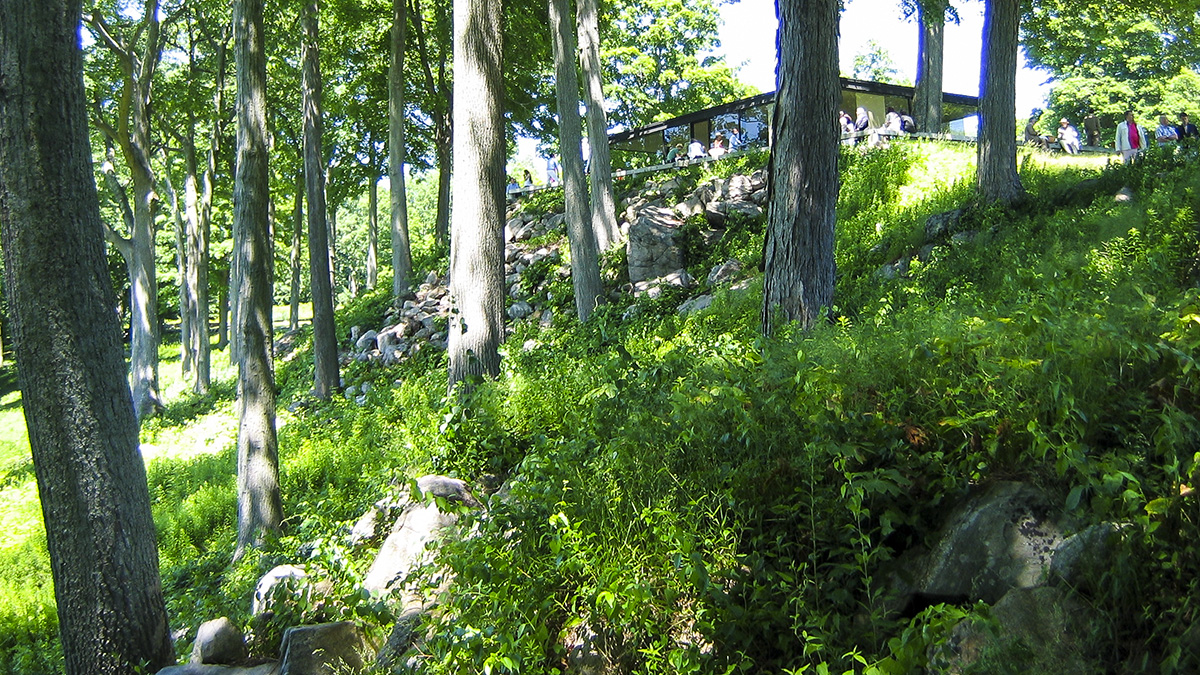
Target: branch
96 21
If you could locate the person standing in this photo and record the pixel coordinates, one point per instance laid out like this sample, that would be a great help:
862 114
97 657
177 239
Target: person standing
552 170
1091 128
1068 137
1131 139
1165 134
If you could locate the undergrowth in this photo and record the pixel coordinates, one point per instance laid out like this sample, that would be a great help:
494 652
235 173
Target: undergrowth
693 498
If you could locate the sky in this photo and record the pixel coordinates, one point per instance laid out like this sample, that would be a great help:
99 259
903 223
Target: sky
748 39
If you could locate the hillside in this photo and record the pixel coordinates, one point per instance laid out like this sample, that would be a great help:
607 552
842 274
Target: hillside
668 492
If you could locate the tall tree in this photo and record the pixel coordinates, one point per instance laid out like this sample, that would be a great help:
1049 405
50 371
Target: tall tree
260 508
585 264
798 275
326 378
477 242
70 361
927 96
137 56
604 214
439 96
401 248
294 263
996 172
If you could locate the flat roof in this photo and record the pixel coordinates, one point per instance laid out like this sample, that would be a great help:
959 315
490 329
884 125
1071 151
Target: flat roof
860 86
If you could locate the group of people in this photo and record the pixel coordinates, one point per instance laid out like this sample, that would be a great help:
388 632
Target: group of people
895 121
1131 138
724 142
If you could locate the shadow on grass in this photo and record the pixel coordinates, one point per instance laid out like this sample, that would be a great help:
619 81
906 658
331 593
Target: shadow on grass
184 410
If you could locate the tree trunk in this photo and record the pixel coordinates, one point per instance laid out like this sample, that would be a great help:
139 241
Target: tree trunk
798 261
260 509
186 356
477 244
196 271
443 120
295 263
401 246
996 171
71 367
326 378
927 97
372 232
604 210
132 134
585 264
203 306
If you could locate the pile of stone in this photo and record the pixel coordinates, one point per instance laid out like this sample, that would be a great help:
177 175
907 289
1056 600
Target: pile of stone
651 221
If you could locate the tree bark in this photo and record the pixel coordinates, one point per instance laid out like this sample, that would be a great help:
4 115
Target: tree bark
186 356
477 243
260 509
401 246
585 263
604 210
927 96
798 276
326 378
295 263
83 432
996 172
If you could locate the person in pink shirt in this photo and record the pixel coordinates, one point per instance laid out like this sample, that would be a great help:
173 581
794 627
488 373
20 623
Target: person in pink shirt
1131 139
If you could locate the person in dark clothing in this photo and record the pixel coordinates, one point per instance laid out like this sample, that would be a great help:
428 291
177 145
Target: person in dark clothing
1185 128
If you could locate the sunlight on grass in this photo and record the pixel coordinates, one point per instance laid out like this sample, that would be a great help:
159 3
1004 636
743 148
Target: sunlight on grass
20 514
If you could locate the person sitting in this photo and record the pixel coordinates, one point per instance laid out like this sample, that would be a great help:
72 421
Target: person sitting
862 121
695 149
1068 137
675 153
1165 134
718 147
1186 129
891 121
1032 137
735 137
907 124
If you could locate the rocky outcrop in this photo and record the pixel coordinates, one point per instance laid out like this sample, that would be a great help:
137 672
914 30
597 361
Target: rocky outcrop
219 641
324 649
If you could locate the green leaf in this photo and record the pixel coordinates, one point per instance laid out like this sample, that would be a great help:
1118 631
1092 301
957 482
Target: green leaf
1158 506
1073 497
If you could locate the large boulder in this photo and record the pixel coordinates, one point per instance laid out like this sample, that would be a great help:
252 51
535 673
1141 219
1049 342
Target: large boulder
652 248
219 641
420 522
324 649
1001 538
284 583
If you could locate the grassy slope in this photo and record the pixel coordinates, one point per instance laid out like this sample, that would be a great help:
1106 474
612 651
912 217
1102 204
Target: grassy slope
716 502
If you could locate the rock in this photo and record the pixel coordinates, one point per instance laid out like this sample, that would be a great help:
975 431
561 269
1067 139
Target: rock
270 668
940 225
653 287
420 522
1123 195
366 340
547 319
1082 558
687 208
725 272
219 641
652 249
370 525
746 209
740 187
895 270
759 197
267 590
695 304
520 310
1044 630
714 213
999 539
431 278
403 637
323 649
511 228
925 254
964 237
